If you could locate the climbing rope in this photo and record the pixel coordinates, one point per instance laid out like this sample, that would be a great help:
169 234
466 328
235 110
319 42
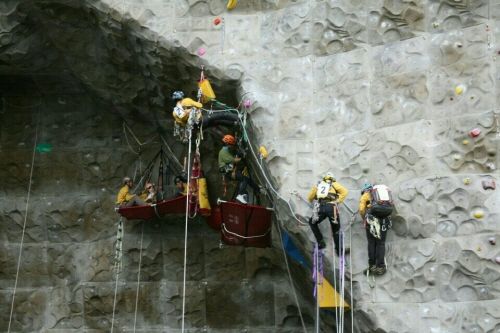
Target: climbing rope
278 226
117 265
138 275
126 129
24 222
186 232
317 276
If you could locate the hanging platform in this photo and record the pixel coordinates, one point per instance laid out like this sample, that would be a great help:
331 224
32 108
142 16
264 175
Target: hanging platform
160 209
245 225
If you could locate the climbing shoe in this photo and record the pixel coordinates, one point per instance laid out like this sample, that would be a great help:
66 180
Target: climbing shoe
370 269
380 270
241 199
321 244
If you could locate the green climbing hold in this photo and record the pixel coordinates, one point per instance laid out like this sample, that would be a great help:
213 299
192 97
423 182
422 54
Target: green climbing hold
44 148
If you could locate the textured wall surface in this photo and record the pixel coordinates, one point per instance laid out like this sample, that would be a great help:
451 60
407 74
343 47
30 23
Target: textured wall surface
385 91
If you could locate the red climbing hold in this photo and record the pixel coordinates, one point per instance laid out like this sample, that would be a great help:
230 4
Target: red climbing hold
473 133
217 21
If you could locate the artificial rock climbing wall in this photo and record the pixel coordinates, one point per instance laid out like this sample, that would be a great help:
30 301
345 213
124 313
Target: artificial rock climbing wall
384 91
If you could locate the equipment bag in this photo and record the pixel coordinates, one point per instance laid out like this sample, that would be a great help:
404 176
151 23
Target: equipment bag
382 203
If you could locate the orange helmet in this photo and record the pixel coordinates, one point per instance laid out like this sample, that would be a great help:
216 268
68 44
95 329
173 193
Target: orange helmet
229 139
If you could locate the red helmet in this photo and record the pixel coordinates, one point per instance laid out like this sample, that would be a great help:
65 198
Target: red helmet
229 139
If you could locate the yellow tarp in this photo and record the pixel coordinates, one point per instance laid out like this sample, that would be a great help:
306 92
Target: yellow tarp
329 297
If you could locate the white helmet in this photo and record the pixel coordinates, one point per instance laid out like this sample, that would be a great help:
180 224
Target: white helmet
328 176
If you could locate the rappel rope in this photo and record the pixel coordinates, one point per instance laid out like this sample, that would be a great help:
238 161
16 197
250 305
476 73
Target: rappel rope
24 222
138 275
126 129
117 266
186 232
290 278
317 276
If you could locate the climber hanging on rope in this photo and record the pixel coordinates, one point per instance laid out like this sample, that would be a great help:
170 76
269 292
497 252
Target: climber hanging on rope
375 208
232 166
187 113
325 196
125 198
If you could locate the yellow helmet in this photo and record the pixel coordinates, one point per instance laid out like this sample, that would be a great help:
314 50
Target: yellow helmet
328 176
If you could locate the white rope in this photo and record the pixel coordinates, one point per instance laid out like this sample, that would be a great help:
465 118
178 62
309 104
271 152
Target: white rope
24 222
316 273
290 278
245 237
117 267
186 232
138 276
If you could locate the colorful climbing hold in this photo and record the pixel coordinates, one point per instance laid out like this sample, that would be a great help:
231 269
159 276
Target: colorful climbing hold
492 240
460 89
231 4
456 157
201 51
247 103
465 142
466 181
217 21
478 214
488 184
263 152
44 148
474 133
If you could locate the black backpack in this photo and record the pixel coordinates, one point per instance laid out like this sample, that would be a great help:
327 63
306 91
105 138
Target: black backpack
381 204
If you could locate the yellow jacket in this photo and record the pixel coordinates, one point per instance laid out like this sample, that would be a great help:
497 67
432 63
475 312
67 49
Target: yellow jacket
364 203
124 195
182 116
335 188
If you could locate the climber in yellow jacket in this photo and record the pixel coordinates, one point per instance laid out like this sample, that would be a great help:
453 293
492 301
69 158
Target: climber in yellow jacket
183 107
125 198
325 196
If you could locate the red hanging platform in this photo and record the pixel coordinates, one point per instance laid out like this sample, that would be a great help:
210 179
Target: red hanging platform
245 225
160 209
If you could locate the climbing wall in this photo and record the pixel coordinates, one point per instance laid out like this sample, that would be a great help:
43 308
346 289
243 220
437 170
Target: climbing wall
397 92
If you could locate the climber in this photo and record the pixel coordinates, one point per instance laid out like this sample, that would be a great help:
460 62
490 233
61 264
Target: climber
375 207
148 195
180 184
127 199
325 196
232 166
183 108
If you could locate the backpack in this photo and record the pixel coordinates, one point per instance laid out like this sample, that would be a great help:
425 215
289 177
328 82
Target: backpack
382 203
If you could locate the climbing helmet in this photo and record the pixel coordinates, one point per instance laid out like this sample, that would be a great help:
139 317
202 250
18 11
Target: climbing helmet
228 139
328 176
177 95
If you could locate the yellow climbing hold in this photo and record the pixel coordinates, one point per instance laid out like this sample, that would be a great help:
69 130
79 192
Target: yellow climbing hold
329 297
231 4
465 142
466 181
263 152
479 214
460 89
